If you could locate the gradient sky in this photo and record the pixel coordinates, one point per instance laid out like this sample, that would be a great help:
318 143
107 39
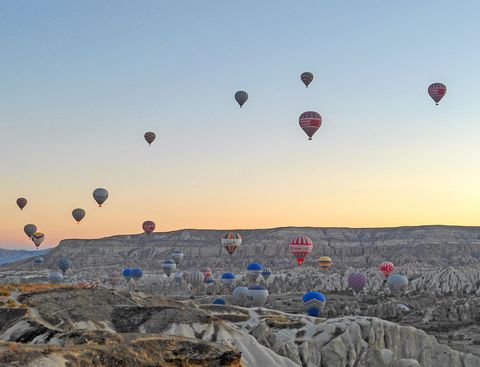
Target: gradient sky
81 81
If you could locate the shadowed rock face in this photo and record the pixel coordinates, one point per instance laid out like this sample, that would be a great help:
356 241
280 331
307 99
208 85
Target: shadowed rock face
432 245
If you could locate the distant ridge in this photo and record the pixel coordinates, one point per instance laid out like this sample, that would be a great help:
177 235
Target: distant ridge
10 256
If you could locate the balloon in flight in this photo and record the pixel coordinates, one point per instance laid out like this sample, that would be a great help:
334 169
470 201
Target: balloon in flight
196 279
78 214
136 274
241 97
386 268
228 279
310 122
148 227
437 91
64 264
313 302
30 229
150 137
100 195
54 277
300 247
397 283
253 271
357 281
266 272
127 274
21 202
306 78
177 255
168 266
325 262
38 238
207 273
231 241
257 295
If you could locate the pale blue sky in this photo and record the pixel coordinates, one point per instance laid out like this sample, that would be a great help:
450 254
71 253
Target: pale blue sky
81 81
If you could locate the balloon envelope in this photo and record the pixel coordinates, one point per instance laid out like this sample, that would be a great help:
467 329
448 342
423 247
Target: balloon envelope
30 229
397 283
437 91
207 273
325 262
310 122
78 214
386 268
218 301
313 302
357 281
100 195
168 266
127 274
240 296
38 238
306 78
266 272
257 295
21 202
148 226
64 264
136 273
54 277
231 241
150 137
301 246
228 279
241 97
177 256
196 279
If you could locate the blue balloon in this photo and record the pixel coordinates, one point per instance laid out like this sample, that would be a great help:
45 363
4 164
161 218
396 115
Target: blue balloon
228 276
314 302
127 274
38 260
218 301
137 273
255 267
64 264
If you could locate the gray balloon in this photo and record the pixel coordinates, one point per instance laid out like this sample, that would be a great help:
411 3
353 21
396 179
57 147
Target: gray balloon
100 195
257 295
78 214
54 277
240 296
196 279
397 283
168 266
30 229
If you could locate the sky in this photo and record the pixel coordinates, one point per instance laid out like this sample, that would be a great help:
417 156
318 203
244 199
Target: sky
82 81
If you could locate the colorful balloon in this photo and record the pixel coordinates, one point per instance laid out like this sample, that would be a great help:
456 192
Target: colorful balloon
127 274
21 202
177 256
266 272
100 195
307 78
253 271
241 97
231 241
397 283
148 227
357 281
38 238
310 122
301 246
168 266
386 268
78 214
228 279
196 279
64 264
30 229
150 137
313 302
437 91
207 273
325 262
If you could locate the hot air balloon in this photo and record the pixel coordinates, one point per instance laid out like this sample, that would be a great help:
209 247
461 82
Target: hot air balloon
38 238
127 274
196 279
437 91
38 260
177 256
168 266
64 264
325 262
240 296
306 78
228 279
136 274
30 229
266 272
21 202
253 271
310 122
150 137
179 276
313 302
386 268
357 281
218 301
397 283
54 277
148 226
241 97
301 246
78 214
231 241
207 273
257 295
100 195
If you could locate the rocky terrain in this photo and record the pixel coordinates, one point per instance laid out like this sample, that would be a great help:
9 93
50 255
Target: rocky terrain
99 327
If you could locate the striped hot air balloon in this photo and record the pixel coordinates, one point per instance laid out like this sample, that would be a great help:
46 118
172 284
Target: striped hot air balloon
78 214
148 226
30 229
64 264
168 266
325 262
100 195
196 279
313 302
21 202
231 241
386 268
310 122
150 137
241 97
437 91
357 281
301 246
38 238
307 78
